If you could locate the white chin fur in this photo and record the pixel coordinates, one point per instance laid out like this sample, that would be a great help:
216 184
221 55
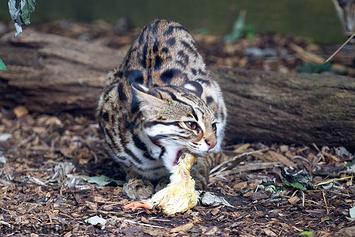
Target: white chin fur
170 156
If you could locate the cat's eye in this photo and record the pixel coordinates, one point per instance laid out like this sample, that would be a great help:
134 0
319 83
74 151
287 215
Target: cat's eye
192 125
214 127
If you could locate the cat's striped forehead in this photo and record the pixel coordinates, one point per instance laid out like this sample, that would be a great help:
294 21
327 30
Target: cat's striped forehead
186 98
179 94
188 101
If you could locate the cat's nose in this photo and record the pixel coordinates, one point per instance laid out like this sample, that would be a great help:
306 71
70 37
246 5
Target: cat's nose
210 143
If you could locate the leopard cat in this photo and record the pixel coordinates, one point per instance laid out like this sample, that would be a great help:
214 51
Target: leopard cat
159 102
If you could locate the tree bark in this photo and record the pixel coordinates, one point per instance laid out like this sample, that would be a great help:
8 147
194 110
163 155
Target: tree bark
289 108
52 74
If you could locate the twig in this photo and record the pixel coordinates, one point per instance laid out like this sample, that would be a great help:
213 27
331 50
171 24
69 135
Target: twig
156 219
66 215
331 156
315 146
319 151
235 158
327 190
333 180
109 212
325 202
26 140
95 156
294 193
134 222
352 36
129 221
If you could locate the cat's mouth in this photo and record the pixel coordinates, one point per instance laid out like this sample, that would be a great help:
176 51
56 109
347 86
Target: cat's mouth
178 154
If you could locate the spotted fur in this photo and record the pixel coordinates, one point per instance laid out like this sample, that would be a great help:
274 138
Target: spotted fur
160 101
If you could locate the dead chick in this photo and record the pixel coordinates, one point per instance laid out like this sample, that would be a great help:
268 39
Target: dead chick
179 195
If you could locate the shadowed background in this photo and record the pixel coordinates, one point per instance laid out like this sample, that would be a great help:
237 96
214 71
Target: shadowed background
313 19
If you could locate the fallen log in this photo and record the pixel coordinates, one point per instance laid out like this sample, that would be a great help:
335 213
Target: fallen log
291 108
52 74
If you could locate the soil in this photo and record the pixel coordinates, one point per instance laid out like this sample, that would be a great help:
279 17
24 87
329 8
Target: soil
44 157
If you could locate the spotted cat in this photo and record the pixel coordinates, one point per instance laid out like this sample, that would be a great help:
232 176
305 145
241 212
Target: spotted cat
159 102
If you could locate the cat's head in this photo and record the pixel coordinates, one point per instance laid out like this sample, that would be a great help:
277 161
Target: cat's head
176 119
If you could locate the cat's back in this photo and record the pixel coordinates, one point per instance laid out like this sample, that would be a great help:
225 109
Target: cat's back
164 53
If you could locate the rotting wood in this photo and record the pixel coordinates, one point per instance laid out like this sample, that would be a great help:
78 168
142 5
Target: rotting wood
52 74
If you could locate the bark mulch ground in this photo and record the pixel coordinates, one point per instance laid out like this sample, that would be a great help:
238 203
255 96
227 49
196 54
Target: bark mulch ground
42 192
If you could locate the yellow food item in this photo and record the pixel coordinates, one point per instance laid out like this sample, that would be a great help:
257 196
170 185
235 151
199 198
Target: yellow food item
180 194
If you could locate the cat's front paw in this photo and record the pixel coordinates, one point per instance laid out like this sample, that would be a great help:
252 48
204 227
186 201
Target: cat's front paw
163 182
138 189
201 180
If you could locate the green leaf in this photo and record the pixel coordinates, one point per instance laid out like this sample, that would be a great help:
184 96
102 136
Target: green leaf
309 233
103 180
249 31
315 68
27 9
2 65
296 185
238 27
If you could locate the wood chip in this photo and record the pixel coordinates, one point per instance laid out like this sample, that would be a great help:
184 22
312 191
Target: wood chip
268 232
211 230
284 148
144 220
331 156
259 195
182 228
294 199
92 206
215 211
157 232
20 111
346 232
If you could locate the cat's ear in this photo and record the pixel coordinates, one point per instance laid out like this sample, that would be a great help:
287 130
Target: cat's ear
149 102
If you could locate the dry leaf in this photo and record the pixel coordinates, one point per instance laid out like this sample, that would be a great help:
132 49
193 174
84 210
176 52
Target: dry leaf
96 221
20 111
53 121
92 206
241 185
208 199
242 148
283 159
294 200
